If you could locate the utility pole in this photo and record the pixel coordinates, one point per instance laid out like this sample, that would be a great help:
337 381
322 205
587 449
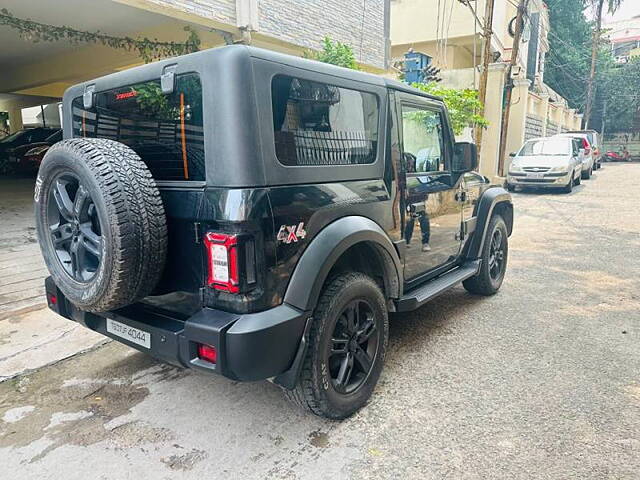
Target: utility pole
487 34
604 122
594 57
515 51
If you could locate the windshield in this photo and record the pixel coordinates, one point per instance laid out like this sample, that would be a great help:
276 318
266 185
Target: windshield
13 136
550 147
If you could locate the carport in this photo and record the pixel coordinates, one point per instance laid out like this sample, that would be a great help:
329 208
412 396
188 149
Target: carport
35 74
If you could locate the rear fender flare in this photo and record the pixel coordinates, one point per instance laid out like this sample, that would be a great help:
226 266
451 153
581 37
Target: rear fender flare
326 248
495 198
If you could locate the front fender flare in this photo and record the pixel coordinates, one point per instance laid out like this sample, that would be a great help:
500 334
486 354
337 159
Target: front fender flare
492 199
326 248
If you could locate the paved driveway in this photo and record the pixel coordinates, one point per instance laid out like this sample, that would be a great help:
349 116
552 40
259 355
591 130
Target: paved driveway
540 381
22 269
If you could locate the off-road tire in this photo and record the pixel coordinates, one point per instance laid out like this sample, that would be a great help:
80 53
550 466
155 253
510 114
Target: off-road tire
132 220
482 283
314 390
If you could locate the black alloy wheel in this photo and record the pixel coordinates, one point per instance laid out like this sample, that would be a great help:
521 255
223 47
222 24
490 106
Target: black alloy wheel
493 261
75 228
497 254
354 346
347 345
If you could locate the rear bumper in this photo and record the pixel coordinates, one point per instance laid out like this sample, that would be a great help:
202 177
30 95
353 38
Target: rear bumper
249 347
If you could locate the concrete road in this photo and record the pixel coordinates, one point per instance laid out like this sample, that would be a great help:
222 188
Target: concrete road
540 381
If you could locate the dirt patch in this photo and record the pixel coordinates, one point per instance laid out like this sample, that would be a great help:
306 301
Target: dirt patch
82 411
612 293
319 439
185 461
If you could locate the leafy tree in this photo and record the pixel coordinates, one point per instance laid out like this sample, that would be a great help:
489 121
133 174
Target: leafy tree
569 55
598 5
620 90
463 105
335 53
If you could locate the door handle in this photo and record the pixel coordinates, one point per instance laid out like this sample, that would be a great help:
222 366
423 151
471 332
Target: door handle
417 208
461 196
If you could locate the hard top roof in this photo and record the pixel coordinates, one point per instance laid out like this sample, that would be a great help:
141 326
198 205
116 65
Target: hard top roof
241 53
305 63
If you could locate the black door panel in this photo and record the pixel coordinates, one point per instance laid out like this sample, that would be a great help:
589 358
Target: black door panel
430 197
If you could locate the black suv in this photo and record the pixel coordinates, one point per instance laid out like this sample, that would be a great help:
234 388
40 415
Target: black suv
256 215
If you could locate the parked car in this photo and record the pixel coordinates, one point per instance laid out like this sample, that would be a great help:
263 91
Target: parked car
547 163
586 154
593 137
14 142
28 157
275 231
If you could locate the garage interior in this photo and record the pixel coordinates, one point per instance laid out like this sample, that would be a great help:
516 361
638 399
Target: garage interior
34 78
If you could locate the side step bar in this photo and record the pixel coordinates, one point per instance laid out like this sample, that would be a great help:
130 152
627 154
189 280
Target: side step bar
422 294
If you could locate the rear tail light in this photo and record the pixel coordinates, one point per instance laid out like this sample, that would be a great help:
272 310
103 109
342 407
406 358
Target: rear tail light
586 146
207 353
222 254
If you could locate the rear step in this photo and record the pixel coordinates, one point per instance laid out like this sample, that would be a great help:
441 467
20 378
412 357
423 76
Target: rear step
422 294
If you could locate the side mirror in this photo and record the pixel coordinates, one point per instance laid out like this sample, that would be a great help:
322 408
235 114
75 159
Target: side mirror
513 154
465 157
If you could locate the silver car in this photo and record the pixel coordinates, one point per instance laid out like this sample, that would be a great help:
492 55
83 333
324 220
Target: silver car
546 163
587 153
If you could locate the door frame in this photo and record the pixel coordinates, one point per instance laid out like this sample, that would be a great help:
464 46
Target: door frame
401 98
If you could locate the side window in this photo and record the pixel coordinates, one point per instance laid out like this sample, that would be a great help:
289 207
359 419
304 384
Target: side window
423 140
320 124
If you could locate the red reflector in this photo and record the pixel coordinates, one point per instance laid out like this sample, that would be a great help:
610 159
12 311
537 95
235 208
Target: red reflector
222 253
53 299
207 352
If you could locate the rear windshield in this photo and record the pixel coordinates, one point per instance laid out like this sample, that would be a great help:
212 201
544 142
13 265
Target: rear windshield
165 130
558 146
321 124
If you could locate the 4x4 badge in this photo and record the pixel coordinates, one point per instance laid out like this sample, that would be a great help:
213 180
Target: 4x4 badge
291 233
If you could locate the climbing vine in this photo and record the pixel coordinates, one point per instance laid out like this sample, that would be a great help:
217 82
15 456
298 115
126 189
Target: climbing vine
148 49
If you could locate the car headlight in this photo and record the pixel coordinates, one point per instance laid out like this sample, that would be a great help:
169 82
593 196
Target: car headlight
514 168
561 169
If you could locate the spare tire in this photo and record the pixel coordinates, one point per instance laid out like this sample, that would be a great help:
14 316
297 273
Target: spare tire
101 223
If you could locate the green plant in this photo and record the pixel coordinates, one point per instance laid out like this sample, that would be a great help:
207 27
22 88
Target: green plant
148 49
463 105
4 118
620 90
335 53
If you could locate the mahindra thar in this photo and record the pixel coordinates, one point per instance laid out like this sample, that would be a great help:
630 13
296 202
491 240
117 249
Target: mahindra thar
256 215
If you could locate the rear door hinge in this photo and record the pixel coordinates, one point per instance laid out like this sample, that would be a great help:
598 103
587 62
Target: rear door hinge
197 232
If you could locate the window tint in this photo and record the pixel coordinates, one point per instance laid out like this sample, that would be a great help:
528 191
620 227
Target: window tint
320 124
165 130
423 140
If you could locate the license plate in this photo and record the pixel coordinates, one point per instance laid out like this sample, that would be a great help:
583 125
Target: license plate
535 175
134 335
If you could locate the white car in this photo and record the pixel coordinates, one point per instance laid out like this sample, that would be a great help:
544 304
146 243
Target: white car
546 163
587 153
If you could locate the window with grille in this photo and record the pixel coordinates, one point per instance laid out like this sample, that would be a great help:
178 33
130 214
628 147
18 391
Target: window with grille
164 130
320 124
